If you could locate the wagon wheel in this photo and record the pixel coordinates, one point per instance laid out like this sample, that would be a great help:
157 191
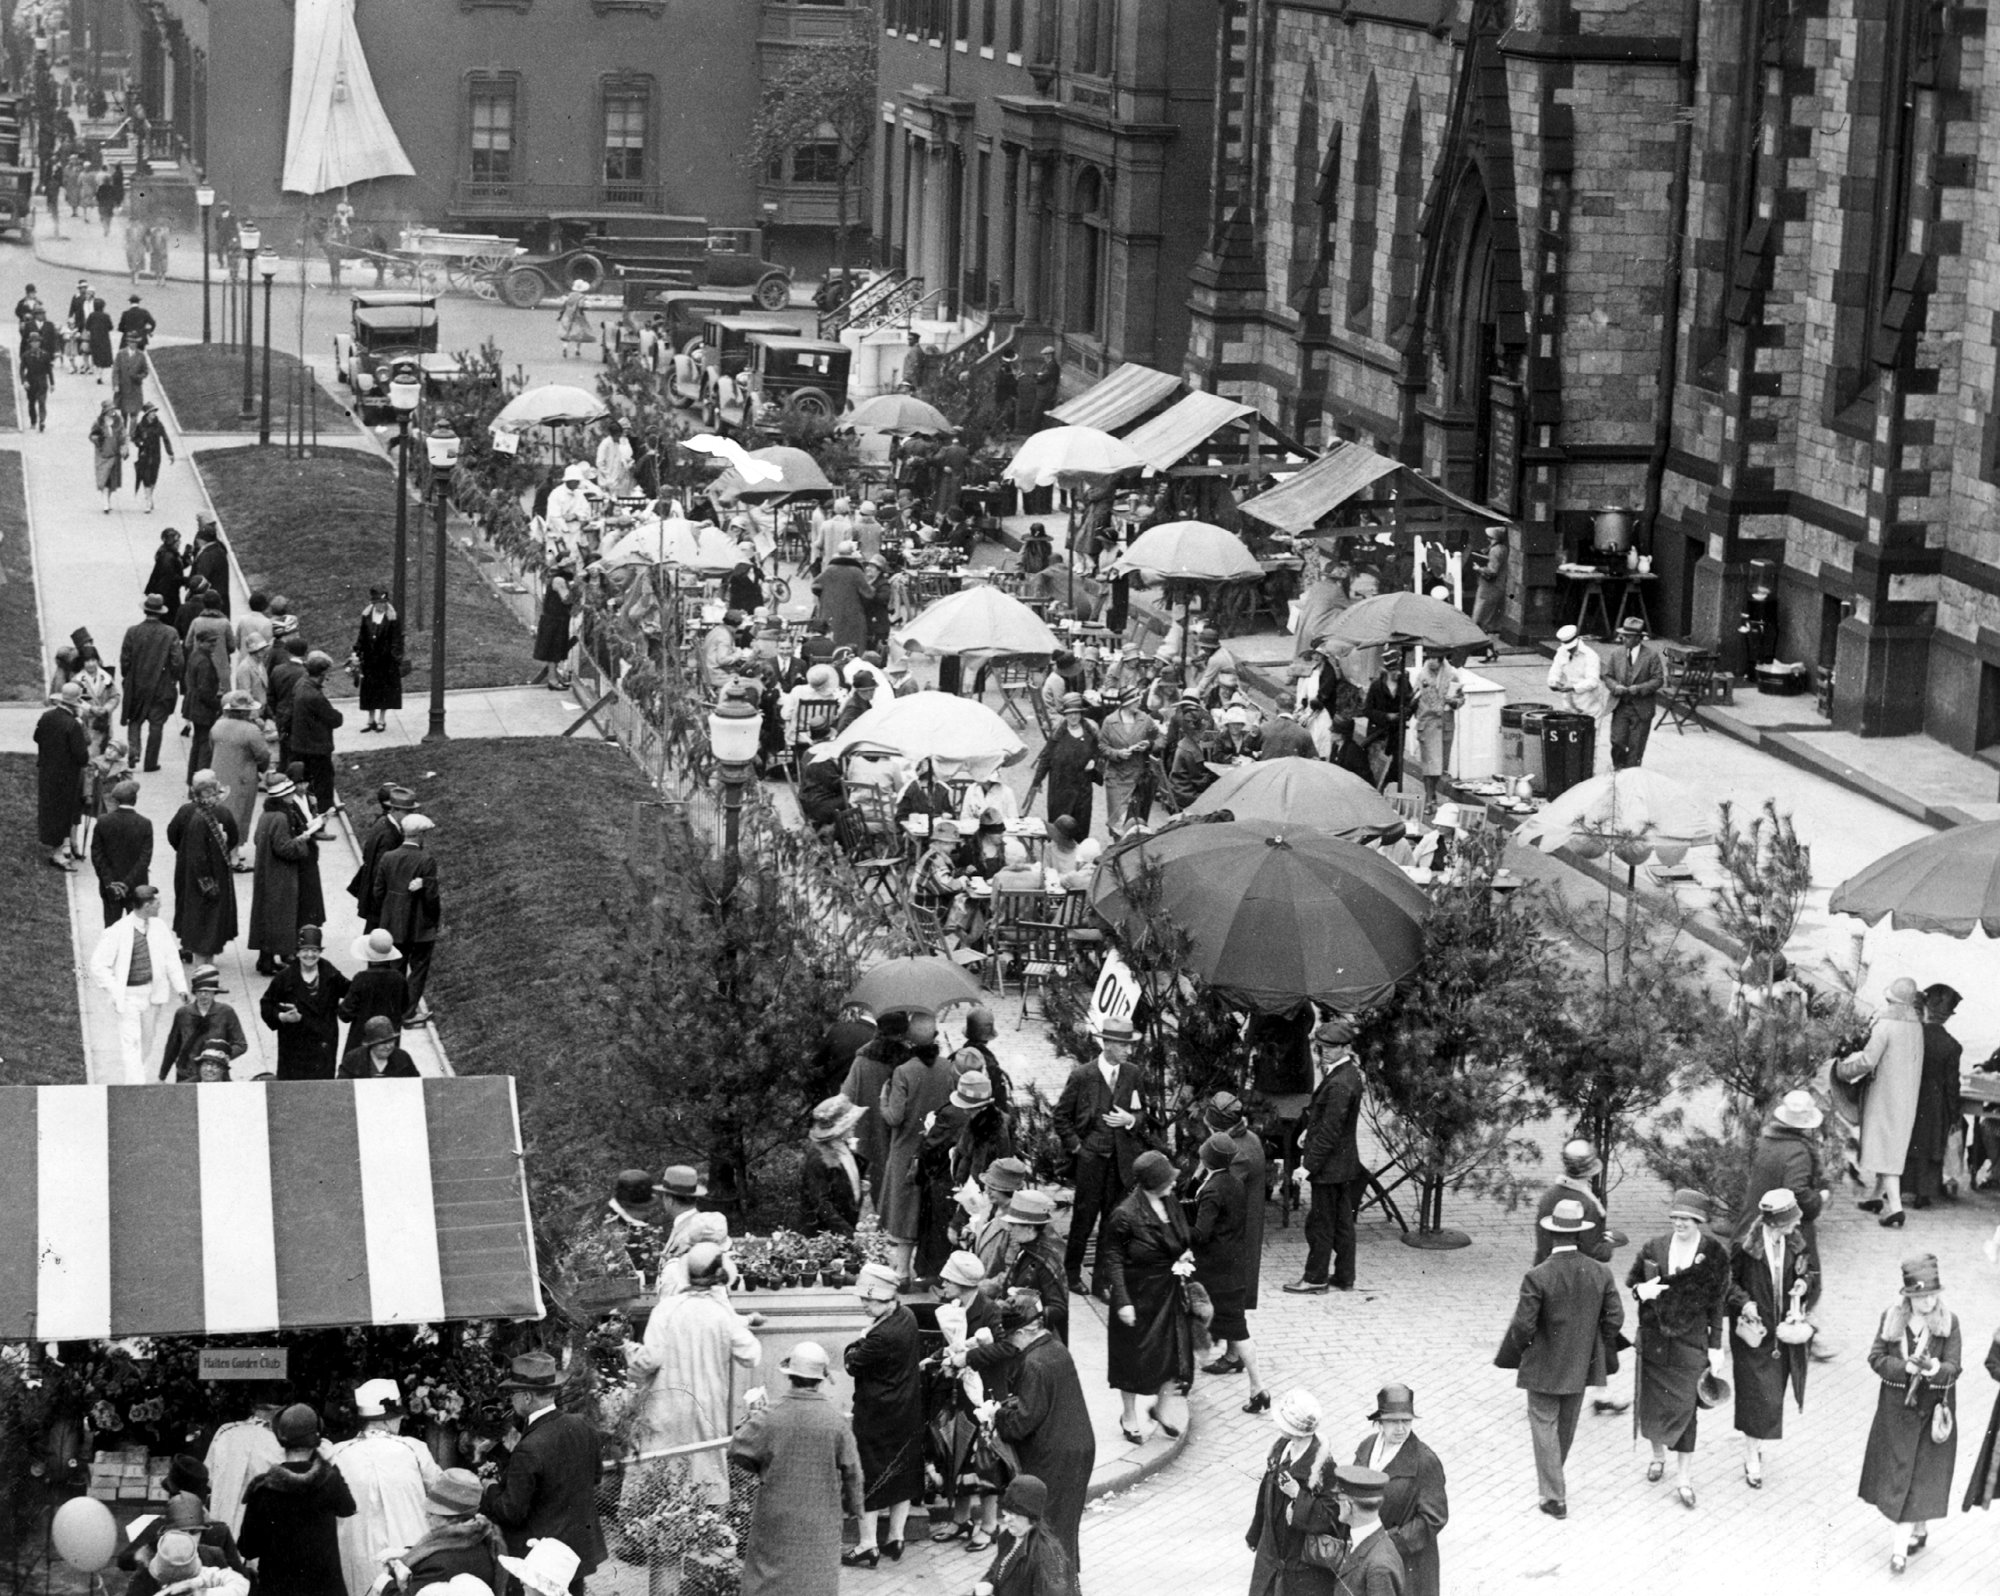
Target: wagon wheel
427 276
459 274
484 288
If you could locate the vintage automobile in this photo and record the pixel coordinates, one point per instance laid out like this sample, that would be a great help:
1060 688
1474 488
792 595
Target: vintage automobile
723 352
392 334
802 376
644 252
17 201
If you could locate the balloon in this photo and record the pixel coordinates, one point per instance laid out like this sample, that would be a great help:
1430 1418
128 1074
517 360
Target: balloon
85 1533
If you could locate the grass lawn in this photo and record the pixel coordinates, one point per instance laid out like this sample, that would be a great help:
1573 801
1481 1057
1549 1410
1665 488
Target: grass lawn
10 416
205 384
321 530
22 671
42 1042
531 842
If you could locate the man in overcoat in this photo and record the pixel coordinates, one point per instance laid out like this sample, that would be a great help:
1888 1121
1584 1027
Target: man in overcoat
1099 1119
406 881
150 664
549 1489
121 851
809 1473
385 834
62 753
1330 1162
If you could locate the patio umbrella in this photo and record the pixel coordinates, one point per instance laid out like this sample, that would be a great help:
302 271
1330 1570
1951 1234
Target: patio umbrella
1949 883
1069 456
1404 618
942 726
799 473
1189 551
979 621
1302 792
1636 813
697 545
923 984
1276 916
895 412
555 404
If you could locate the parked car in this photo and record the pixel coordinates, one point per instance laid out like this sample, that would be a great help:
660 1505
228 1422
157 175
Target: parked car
804 376
724 351
667 252
392 333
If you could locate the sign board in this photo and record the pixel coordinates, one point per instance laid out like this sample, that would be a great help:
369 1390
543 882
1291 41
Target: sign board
243 1363
1116 996
1503 447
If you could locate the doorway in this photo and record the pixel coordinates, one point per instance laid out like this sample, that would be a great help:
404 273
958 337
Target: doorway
1987 731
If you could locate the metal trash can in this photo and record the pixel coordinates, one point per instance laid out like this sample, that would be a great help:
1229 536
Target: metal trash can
1513 756
1569 744
1532 718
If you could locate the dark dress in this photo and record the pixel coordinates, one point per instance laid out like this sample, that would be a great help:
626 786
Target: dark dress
1984 1485
166 577
1045 1418
378 645
889 1409
828 1203
1034 1565
1676 1330
1218 1240
1252 1166
1937 1112
288 1523
1906 1474
1139 1256
282 854
204 893
1069 765
62 752
377 989
552 626
149 441
1762 1372
98 326
1414 1509
308 1049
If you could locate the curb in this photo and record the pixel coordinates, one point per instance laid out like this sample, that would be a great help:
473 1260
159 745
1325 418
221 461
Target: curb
1111 1478
1794 751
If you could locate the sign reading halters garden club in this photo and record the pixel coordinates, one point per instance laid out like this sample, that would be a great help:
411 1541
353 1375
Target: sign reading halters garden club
243 1363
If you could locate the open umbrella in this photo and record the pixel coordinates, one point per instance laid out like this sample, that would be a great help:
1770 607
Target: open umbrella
799 474
1275 916
895 412
697 545
1635 813
1404 618
1302 792
1949 883
1189 551
555 404
979 621
948 729
925 985
1068 456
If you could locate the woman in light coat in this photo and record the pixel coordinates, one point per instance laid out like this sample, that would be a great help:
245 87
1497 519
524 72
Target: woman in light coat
1893 1065
686 1364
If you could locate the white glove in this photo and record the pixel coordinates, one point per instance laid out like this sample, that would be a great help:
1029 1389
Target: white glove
755 1398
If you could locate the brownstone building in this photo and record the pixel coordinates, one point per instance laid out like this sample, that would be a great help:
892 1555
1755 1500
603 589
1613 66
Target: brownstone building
1724 263
1047 162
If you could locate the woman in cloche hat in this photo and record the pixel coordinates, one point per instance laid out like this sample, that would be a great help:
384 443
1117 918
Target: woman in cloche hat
1773 1280
1287 1469
830 1183
1913 1443
1030 1562
1681 1281
1414 1507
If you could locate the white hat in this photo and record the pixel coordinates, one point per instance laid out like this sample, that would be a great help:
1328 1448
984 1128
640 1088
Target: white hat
547 1569
1297 1414
374 1398
573 472
1566 634
417 825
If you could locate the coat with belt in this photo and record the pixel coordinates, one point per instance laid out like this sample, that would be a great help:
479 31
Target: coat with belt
549 1490
1565 1325
204 889
151 661
1272 1536
1330 1153
1086 1099
409 913
1414 1509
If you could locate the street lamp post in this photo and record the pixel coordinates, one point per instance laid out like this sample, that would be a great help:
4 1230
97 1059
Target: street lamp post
735 729
404 392
252 237
204 196
269 268
443 447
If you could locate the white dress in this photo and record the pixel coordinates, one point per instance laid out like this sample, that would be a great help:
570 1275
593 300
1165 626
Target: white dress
237 1454
387 1474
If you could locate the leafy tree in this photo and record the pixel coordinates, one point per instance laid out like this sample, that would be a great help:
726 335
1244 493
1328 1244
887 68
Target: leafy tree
1448 1063
822 93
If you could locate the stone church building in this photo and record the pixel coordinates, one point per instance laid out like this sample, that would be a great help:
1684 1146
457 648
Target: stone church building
1730 265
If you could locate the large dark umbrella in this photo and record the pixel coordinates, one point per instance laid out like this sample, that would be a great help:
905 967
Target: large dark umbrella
924 985
1404 618
1948 883
1295 792
1275 915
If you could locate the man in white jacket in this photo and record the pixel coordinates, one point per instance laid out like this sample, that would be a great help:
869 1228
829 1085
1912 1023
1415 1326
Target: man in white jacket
1578 675
138 964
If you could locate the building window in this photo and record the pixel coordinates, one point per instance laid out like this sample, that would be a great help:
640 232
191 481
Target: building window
1404 262
493 106
1090 254
1305 194
961 29
1361 219
980 289
625 117
816 163
892 15
1017 26
1093 36
1048 32
989 23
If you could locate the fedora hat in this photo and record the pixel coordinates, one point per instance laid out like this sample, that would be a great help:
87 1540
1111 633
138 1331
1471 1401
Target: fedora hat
547 1570
1799 1111
806 1361
834 1118
632 1191
1631 626
1691 1204
1030 1208
1007 1175
680 1180
377 947
973 1090
1566 1218
155 605
532 1371
1394 1402
1115 1028
454 1493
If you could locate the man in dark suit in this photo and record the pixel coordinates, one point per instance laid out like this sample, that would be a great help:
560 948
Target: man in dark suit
1635 675
385 834
121 851
150 663
1330 1162
406 887
1098 1118
1561 1340
549 1488
1373 1565
211 559
1580 1163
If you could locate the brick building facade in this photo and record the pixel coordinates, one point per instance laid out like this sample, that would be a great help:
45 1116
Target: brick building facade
1727 265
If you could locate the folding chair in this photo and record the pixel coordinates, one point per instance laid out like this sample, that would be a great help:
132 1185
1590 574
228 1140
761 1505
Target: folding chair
1687 690
1043 718
1009 930
1015 677
815 720
1047 952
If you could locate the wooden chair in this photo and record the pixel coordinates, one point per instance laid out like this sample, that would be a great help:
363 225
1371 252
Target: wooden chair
1687 690
1015 677
1010 929
1049 950
1043 718
815 721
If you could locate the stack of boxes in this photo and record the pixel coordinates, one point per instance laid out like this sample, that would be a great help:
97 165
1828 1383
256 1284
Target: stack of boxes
128 1476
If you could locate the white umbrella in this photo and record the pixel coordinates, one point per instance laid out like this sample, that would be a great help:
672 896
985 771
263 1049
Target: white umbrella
698 545
895 412
1635 813
553 405
980 621
1191 551
1067 455
949 730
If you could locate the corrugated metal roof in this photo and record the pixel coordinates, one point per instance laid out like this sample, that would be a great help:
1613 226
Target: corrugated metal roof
1300 503
1175 432
1119 400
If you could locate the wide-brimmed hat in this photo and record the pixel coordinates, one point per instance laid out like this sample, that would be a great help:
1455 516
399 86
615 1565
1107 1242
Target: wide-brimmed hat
1394 1402
833 1118
1007 1175
1580 1160
176 1556
274 783
296 1426
1799 1110
377 947
963 1269
374 1399
877 1283
549 1568
1920 1275
681 1180
806 1361
455 1492
532 1371
632 1191
1566 1218
1026 1495
1030 1208
974 1090
155 604
377 1029
1691 1204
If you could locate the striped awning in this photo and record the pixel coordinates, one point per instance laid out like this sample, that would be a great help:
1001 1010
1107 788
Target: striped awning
1180 429
1301 502
255 1206
1119 400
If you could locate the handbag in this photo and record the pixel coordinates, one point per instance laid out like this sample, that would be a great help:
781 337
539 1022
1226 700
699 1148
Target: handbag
1321 1550
1942 1421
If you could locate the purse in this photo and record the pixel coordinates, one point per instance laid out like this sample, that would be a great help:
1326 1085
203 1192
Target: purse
1942 1421
1323 1551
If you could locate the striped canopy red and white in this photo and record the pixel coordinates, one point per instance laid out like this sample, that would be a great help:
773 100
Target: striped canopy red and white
253 1206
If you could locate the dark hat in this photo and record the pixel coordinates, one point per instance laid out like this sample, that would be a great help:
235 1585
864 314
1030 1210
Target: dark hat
185 1511
532 1371
380 1028
187 1473
680 1180
1007 1174
1939 995
1920 1275
633 1192
155 605
145 894
895 1023
1218 1152
1224 1111
310 936
1066 828
206 979
1154 1171
1691 1204
979 1026
1022 1305
296 1426
392 796
1394 1402
1362 1487
1711 1390
1025 1495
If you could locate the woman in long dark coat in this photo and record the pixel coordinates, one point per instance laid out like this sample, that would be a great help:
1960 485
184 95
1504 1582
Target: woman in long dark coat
829 1174
1414 1508
303 1007
379 988
378 659
282 849
1150 1338
62 755
1271 1537
1984 1485
1937 1102
1031 1561
203 836
1760 1298
888 1415
1681 1281
552 627
169 570
1068 763
1218 1221
1906 1472
1045 1419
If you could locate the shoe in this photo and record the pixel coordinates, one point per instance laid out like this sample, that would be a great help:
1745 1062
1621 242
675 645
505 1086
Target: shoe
1920 1202
893 1550
1610 1404
1260 1402
1076 1286
1166 1429
1131 1435
1892 1221
1919 1542
1686 1494
1556 1509
857 1558
951 1532
980 1542
1223 1365
1754 1481
1870 1205
1307 1288
1654 1471
1897 1564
